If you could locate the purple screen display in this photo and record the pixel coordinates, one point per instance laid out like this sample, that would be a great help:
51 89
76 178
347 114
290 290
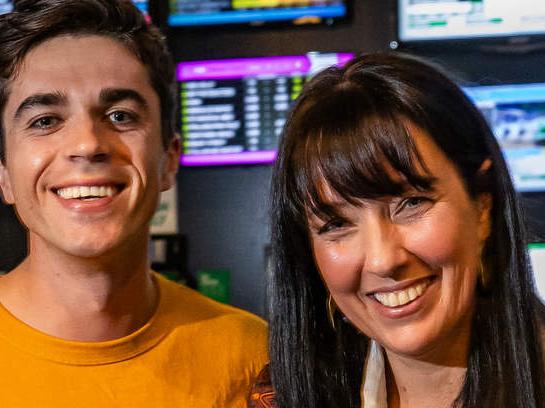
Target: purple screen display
232 111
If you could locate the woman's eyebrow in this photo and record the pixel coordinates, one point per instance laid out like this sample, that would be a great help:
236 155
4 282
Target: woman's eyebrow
423 183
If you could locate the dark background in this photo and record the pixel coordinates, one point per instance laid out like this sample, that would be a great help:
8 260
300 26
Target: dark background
223 211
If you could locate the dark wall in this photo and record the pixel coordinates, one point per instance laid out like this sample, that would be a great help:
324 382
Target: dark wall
223 211
12 239
371 27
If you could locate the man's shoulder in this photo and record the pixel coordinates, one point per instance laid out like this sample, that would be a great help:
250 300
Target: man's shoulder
240 335
190 305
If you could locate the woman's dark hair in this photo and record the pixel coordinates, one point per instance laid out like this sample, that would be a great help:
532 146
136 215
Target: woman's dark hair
34 21
346 127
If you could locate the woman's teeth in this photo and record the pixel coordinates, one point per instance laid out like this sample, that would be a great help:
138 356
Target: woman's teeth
86 192
401 297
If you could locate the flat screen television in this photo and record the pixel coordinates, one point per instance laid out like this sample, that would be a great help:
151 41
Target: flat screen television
537 259
213 12
424 20
6 6
516 114
232 111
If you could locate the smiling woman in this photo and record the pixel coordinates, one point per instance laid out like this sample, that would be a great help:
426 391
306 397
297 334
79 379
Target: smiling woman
401 278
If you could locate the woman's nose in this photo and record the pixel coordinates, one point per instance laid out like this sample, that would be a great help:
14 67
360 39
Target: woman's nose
383 249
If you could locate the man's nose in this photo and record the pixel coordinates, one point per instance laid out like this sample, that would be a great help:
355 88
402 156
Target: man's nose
87 141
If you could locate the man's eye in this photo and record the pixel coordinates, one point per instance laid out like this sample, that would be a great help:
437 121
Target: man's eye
121 117
44 122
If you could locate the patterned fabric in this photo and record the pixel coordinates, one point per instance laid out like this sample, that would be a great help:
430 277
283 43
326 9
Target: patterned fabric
262 395
373 388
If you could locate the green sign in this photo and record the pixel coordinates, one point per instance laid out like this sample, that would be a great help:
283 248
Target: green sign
215 283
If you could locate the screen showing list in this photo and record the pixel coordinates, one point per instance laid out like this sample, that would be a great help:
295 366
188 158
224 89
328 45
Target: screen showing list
233 111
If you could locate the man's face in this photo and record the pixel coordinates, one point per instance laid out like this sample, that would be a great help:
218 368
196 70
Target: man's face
84 160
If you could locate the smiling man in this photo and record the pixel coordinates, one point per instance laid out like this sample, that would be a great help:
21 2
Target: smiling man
87 145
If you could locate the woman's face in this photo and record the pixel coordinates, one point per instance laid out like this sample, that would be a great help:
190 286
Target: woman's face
404 269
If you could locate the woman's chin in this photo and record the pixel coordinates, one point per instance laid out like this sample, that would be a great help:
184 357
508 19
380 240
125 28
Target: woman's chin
420 346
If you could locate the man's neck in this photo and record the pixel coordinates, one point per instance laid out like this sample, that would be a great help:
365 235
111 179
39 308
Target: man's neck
81 299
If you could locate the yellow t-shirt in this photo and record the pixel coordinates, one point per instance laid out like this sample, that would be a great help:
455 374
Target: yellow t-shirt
194 352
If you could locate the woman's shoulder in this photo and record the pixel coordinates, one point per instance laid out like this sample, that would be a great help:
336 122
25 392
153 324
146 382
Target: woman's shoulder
262 394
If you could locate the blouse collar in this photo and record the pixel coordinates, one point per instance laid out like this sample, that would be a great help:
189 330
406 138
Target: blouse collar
373 387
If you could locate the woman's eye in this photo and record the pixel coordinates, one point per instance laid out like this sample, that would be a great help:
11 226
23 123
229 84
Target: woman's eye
332 225
413 202
45 122
413 206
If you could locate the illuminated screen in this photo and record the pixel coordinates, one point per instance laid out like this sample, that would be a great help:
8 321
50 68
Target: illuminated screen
6 6
451 19
233 111
209 12
516 114
537 259
143 5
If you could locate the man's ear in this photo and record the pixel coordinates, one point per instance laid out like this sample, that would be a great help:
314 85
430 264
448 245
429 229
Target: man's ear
171 163
5 185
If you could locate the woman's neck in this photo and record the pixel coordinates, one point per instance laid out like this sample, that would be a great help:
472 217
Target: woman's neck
417 384
432 379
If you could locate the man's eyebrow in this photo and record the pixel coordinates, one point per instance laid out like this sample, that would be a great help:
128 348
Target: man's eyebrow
40 99
110 96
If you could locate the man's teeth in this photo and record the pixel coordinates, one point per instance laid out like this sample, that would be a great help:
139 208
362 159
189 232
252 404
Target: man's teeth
401 297
86 192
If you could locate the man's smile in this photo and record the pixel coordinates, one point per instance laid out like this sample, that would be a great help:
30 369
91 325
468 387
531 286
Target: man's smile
87 192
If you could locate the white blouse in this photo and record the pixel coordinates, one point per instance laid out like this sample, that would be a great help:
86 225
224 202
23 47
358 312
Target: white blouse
373 387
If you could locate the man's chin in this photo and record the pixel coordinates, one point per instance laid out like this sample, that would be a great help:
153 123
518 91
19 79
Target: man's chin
90 251
88 247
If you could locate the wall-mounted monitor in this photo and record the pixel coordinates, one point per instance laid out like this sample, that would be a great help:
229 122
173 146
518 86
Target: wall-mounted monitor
516 114
423 20
232 111
537 260
213 12
6 6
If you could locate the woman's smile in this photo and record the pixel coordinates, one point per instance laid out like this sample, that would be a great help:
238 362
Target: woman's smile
395 297
401 303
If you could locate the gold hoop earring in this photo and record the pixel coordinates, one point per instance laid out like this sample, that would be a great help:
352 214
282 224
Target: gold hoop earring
331 308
